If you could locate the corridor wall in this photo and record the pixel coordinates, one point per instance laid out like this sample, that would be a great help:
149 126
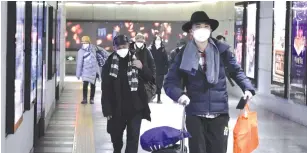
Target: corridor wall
23 136
3 73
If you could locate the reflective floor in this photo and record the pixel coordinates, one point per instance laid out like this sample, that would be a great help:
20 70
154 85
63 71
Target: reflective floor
82 128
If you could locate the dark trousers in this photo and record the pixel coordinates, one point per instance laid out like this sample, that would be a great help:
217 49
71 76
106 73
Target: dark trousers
159 84
133 132
208 135
85 87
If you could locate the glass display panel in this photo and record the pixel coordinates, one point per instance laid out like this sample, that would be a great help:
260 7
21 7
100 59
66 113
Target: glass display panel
34 51
298 52
54 39
102 33
40 59
278 63
58 44
251 40
239 10
20 63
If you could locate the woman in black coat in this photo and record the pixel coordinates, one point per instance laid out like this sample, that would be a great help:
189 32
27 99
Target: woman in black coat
124 99
159 54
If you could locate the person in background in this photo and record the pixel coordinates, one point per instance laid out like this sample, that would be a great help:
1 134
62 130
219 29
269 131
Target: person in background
174 52
201 63
159 54
87 68
125 101
221 38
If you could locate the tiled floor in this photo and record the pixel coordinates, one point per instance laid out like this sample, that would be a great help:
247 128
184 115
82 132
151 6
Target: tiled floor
277 135
59 137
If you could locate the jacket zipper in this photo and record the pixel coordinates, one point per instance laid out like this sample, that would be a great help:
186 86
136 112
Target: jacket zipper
209 102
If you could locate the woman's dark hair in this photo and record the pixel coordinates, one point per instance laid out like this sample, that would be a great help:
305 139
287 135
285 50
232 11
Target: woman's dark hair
155 38
220 37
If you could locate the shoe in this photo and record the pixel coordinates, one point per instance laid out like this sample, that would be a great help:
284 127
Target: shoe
159 102
92 101
84 101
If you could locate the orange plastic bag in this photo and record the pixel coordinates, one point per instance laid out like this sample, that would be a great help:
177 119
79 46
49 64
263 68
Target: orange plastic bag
245 133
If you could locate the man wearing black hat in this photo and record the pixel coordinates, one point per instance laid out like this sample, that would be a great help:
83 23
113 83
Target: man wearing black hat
201 65
124 100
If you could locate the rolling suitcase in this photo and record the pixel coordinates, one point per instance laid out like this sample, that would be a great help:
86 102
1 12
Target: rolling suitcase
175 148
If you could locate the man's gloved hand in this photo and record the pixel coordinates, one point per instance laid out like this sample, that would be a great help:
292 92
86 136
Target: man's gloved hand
138 64
248 95
109 117
184 100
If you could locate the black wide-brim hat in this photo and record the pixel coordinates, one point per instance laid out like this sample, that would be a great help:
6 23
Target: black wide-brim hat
198 17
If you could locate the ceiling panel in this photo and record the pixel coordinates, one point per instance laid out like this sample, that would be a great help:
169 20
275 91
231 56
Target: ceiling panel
130 2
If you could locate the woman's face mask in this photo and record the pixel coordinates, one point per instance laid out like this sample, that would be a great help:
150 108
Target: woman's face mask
158 43
201 34
85 46
122 52
139 44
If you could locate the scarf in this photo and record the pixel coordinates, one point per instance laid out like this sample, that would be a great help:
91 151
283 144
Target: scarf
190 61
132 72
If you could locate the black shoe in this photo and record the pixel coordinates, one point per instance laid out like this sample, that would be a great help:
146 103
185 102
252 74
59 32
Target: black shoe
159 102
92 101
84 101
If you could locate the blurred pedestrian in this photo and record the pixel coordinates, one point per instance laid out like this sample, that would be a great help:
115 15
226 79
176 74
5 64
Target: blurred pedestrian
88 68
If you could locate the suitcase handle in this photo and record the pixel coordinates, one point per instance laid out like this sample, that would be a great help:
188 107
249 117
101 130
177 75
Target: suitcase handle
183 128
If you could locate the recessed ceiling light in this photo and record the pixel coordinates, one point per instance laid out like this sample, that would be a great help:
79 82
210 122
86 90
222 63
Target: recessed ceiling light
141 1
118 2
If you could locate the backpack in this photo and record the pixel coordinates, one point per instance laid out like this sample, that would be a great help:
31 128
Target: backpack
101 57
184 76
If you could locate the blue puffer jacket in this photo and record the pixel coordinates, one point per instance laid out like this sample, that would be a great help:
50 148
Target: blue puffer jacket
206 98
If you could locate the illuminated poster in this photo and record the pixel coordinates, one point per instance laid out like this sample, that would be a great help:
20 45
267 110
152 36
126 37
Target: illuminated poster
298 49
238 33
20 64
251 40
102 33
34 51
40 60
279 41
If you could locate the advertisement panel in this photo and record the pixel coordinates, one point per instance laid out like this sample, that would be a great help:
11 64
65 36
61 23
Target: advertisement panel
279 41
34 51
238 33
251 41
20 63
102 33
298 52
40 59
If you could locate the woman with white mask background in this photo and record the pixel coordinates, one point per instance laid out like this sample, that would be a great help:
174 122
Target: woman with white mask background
159 54
87 68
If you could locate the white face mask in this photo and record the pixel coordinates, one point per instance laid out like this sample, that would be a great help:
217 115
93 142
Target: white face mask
139 45
85 46
122 52
158 42
202 34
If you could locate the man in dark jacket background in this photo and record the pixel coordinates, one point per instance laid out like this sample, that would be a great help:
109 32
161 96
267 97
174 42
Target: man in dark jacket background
124 99
201 63
174 52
